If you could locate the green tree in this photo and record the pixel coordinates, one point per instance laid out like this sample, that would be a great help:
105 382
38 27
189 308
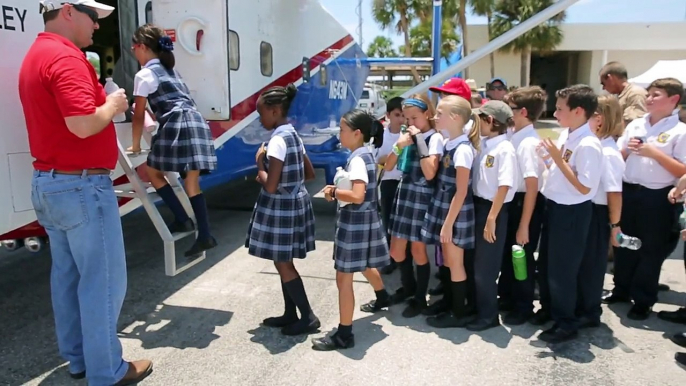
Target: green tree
381 47
542 39
95 62
421 39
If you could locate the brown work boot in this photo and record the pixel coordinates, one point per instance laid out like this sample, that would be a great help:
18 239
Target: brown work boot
138 371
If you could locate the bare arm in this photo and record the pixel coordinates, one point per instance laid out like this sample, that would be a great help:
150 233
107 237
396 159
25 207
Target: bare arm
270 180
430 166
529 202
356 195
309 169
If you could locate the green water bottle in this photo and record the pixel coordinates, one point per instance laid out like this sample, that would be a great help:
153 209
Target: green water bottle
519 262
404 161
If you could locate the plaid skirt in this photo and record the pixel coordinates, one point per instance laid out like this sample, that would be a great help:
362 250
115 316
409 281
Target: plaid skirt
463 228
282 227
183 143
360 241
411 203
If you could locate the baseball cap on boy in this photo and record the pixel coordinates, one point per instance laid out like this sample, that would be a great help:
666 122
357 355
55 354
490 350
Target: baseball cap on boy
499 110
103 10
454 86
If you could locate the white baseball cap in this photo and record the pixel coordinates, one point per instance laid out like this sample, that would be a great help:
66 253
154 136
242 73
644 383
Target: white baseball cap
103 10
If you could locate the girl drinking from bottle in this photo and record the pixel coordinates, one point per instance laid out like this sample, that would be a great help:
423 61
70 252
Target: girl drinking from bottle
414 194
183 143
450 217
607 124
360 241
282 225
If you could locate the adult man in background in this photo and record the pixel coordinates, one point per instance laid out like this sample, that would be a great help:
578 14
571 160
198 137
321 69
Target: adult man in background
632 98
73 140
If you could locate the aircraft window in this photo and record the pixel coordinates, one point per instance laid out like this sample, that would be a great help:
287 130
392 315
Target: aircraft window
322 75
234 51
148 12
266 59
94 60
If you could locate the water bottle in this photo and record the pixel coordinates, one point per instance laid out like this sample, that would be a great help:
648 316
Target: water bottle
404 160
342 181
111 87
545 156
629 242
519 262
682 218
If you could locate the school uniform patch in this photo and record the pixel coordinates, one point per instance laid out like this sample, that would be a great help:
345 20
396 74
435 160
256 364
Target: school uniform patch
490 160
567 155
446 161
662 138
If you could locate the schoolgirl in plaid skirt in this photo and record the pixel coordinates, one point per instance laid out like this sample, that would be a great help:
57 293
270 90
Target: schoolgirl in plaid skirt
183 142
282 225
414 193
360 243
450 218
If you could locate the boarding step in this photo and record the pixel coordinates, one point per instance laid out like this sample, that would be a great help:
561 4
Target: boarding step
127 190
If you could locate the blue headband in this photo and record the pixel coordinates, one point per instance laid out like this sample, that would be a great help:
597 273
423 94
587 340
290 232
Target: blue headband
416 103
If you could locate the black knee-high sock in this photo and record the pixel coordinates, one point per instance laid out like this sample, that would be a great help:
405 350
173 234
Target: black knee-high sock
423 276
444 272
169 197
289 304
296 289
200 210
459 292
407 275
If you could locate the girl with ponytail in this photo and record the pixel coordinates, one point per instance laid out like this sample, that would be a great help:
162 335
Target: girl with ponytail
183 142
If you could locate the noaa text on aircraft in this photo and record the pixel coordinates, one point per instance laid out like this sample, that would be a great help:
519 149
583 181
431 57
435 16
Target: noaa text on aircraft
338 89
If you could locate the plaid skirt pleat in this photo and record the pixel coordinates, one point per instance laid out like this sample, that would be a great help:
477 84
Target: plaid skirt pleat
463 228
182 143
360 241
411 203
282 227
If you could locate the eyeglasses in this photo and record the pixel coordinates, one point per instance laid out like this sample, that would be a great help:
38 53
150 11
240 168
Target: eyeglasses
91 13
498 88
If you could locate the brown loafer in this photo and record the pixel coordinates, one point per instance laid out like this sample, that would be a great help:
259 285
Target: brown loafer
138 371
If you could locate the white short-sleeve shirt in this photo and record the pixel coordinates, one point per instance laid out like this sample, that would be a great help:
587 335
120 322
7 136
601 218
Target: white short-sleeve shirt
529 163
277 145
389 139
497 166
612 171
581 149
464 155
436 142
668 135
145 81
357 169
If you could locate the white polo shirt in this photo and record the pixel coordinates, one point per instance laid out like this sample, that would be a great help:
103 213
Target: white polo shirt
277 145
529 163
357 169
389 139
464 155
497 167
612 171
581 149
668 135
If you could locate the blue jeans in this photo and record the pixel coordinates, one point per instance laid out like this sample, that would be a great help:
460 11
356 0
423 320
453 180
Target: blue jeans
88 280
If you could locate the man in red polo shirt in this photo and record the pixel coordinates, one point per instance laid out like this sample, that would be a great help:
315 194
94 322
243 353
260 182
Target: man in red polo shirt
73 141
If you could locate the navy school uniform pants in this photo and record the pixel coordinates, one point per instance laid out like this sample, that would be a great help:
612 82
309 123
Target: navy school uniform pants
567 232
594 265
648 215
488 258
521 293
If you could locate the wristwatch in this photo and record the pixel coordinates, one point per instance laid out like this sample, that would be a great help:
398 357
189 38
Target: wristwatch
612 226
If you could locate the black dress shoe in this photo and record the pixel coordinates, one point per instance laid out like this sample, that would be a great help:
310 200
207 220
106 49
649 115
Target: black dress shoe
376 305
80 375
678 316
639 312
280 321
333 342
680 358
437 308
201 246
540 318
402 295
612 298
308 325
556 335
679 339
437 290
663 287
482 324
585 322
517 318
414 308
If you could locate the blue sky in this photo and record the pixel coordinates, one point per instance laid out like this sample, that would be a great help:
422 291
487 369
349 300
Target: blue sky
585 11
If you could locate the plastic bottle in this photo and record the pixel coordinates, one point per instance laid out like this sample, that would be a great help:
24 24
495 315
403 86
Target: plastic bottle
111 87
629 242
682 218
342 181
545 156
519 262
404 158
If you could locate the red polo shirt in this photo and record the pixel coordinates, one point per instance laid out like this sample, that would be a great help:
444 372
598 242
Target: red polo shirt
57 81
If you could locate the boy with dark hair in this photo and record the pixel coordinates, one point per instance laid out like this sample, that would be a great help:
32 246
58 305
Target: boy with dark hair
573 180
526 210
654 148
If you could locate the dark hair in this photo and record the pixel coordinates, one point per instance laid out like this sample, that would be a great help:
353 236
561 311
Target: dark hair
369 126
614 68
50 15
580 95
280 96
531 98
395 103
672 86
498 127
158 42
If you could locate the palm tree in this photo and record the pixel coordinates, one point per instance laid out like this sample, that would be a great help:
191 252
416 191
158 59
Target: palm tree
386 12
543 38
381 47
485 8
421 37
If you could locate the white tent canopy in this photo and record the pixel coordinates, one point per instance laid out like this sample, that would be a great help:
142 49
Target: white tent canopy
662 69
